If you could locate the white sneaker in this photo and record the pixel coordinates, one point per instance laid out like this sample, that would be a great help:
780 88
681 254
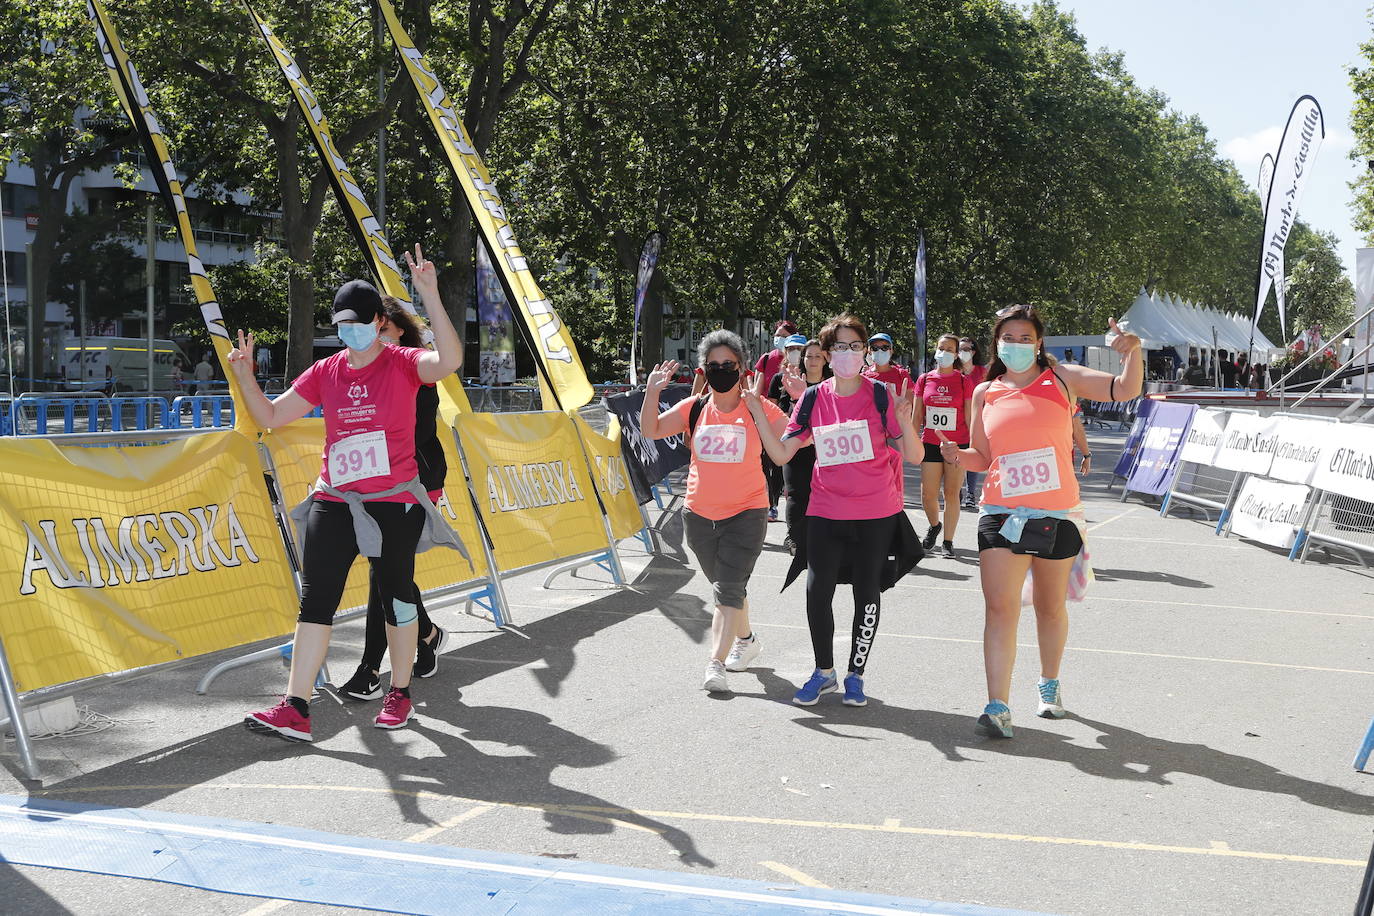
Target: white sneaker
1051 701
715 677
742 653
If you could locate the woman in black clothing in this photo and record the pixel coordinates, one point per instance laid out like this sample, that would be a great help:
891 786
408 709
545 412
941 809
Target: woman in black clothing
401 328
796 474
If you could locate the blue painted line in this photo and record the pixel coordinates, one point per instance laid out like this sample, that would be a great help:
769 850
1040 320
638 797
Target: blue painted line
271 860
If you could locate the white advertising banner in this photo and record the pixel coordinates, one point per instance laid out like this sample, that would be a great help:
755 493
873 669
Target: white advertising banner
1269 512
1248 444
1302 138
1346 466
1298 445
1204 436
1364 299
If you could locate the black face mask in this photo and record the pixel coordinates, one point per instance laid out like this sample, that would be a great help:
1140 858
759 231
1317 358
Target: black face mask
722 380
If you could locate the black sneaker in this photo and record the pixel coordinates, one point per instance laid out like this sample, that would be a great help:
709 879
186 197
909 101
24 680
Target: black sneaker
790 545
427 654
947 549
933 532
365 684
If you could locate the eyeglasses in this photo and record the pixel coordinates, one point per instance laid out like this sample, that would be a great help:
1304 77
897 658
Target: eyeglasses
881 349
728 366
1027 310
857 346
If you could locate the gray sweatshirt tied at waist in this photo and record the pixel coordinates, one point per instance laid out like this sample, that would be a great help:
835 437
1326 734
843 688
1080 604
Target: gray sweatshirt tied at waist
437 530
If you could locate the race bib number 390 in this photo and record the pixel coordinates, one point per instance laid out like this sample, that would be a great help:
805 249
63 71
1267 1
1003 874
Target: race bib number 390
358 457
721 443
945 419
843 443
1025 473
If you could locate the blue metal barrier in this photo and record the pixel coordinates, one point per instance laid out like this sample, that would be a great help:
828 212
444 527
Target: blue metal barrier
44 406
149 412
214 410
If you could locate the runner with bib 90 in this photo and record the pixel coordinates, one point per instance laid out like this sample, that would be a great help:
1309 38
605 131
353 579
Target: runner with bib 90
942 409
856 495
1022 437
726 514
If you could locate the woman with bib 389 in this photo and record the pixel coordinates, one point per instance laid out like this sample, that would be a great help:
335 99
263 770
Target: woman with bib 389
368 498
726 514
1022 437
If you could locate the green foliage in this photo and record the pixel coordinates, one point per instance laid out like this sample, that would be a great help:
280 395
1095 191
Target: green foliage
1319 294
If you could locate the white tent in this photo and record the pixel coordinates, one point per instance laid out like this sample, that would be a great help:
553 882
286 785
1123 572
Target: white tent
1175 323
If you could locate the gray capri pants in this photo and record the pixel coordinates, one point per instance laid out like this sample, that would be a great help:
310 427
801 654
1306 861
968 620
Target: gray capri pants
727 550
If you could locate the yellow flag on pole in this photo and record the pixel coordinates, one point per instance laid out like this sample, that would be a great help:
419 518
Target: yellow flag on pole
553 345
134 100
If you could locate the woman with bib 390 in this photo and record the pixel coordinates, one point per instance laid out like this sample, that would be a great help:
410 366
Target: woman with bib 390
942 408
726 514
856 497
368 498
1021 437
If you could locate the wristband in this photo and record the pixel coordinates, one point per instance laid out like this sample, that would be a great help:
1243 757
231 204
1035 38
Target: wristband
1086 454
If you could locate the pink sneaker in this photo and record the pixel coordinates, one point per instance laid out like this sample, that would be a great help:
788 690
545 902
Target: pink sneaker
281 719
396 710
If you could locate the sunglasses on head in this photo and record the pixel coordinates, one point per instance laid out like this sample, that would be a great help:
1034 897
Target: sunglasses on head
1027 310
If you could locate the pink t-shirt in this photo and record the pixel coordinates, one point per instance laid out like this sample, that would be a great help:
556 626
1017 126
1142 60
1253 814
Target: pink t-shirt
769 365
947 391
378 398
864 489
892 375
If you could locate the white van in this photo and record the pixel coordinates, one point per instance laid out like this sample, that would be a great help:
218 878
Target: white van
127 359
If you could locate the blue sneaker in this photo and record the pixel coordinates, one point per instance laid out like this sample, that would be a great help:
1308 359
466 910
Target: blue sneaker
995 722
815 685
1051 701
854 690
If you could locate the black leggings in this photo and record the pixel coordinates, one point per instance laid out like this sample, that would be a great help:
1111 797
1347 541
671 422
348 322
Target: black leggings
861 545
773 474
331 547
374 643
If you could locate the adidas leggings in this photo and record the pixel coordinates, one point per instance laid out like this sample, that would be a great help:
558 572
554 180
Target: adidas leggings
331 547
857 548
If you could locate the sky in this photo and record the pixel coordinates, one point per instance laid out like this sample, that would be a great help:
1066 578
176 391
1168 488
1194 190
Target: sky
1240 66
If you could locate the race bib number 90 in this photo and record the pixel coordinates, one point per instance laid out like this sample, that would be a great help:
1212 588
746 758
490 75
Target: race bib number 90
358 457
1025 473
945 419
843 443
722 443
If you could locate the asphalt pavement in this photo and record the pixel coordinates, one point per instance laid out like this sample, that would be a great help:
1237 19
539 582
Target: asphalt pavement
1217 694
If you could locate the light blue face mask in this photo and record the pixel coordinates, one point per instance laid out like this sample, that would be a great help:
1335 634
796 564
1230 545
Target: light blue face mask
357 336
1018 357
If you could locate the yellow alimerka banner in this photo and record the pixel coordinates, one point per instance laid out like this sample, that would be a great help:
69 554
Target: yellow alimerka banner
530 479
134 100
295 451
553 343
119 558
612 479
358 215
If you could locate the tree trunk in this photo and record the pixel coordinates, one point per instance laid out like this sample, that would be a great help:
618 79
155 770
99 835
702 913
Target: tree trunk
456 280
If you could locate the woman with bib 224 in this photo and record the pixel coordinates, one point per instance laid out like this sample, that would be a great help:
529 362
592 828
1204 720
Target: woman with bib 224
1022 437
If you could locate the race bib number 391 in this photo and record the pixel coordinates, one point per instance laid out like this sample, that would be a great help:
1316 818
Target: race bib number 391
359 457
843 443
721 443
1025 473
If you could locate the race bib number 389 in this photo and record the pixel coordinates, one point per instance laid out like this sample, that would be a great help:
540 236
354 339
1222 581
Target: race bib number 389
358 457
1025 473
720 443
843 443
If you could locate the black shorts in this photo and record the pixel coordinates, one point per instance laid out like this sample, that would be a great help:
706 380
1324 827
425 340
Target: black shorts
933 452
1067 540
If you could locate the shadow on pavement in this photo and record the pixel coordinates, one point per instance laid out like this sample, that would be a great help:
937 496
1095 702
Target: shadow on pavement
459 767
1120 754
1143 575
23 896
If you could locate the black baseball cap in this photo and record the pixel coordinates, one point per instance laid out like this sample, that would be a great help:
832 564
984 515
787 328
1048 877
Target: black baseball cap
357 300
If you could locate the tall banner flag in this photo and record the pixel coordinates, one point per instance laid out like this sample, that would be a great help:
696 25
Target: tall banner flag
1266 180
648 260
358 216
134 100
918 297
496 326
1302 138
787 267
563 381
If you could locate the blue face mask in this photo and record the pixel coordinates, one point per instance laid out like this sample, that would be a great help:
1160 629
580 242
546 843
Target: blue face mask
358 336
1018 357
